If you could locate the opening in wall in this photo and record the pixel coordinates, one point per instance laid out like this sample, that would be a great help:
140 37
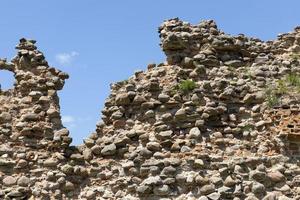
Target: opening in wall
7 80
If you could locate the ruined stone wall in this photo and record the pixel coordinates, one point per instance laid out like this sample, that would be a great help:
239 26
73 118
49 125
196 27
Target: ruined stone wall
212 122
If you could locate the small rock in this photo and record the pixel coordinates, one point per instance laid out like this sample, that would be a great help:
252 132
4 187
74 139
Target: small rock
161 190
23 181
214 196
109 150
163 135
153 146
198 163
180 114
51 162
207 189
122 99
163 98
9 181
276 177
194 133
229 182
258 188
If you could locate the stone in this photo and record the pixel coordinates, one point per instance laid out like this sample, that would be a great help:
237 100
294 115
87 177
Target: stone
69 186
122 99
67 169
161 190
207 189
168 171
9 181
254 98
198 163
87 154
276 177
214 196
180 114
153 146
91 194
143 189
194 133
5 117
270 196
152 180
23 181
257 176
258 188
163 135
185 149
30 117
109 150
51 162
203 198
229 182
96 149
163 98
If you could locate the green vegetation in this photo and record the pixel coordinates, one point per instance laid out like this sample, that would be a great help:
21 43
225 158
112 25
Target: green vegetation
295 56
281 87
290 84
293 80
272 97
248 127
246 73
231 68
186 86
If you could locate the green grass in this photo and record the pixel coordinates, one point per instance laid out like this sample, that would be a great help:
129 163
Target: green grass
290 84
295 56
186 86
271 97
231 68
281 87
248 127
293 80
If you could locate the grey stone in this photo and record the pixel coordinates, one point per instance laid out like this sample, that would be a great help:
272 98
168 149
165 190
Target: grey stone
122 99
109 150
163 98
194 133
207 189
9 181
258 188
23 181
163 135
51 162
161 190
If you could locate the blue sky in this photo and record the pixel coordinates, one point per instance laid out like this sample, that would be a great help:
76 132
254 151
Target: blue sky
102 41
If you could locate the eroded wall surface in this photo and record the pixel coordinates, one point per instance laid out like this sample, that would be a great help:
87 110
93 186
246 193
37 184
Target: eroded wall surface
217 120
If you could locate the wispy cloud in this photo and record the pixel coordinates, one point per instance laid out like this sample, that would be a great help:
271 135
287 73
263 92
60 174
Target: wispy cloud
66 58
71 121
66 119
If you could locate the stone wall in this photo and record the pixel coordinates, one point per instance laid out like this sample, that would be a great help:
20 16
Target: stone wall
212 122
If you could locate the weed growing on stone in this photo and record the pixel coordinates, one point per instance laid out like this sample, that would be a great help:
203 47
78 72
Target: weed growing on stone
295 56
272 98
186 86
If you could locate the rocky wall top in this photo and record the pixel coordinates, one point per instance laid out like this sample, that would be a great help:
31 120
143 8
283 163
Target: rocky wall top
204 42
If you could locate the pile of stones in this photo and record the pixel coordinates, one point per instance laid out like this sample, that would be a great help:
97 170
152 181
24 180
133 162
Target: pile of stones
199 126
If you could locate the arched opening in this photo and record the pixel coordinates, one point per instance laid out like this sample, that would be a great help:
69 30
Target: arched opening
7 80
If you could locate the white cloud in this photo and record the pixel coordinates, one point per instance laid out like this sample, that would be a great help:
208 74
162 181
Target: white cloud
66 58
67 119
72 122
